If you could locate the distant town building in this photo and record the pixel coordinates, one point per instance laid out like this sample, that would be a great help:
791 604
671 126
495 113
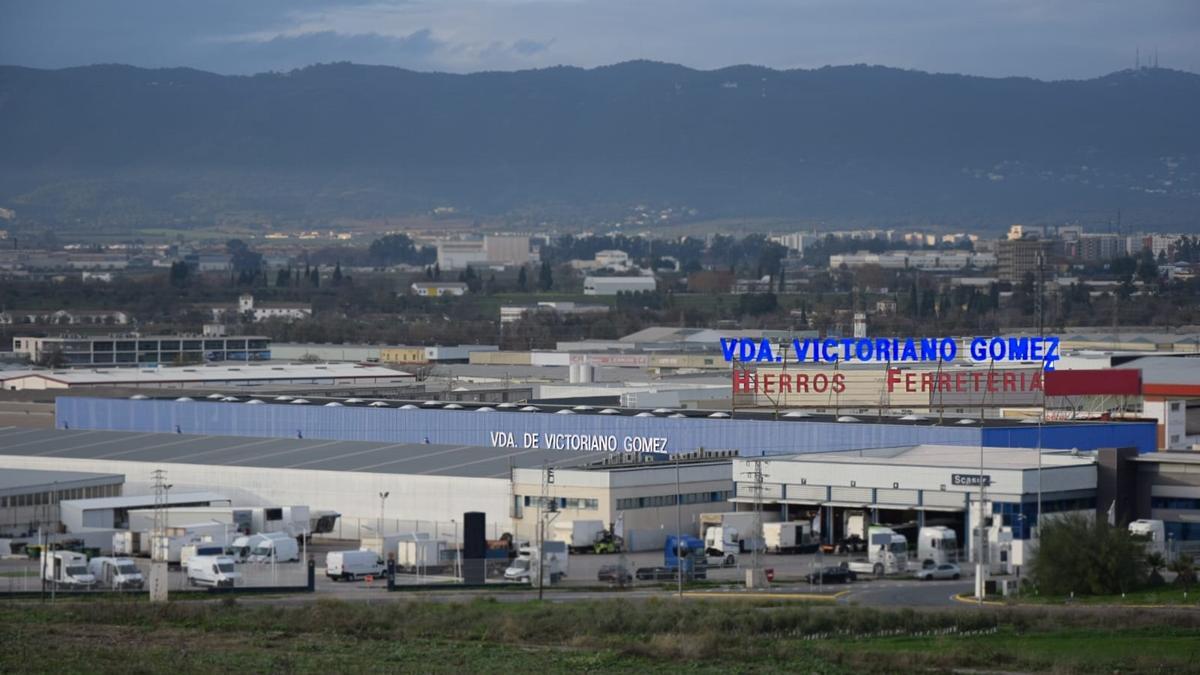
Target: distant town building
514 313
1018 257
247 307
710 281
932 261
64 317
142 350
507 250
459 255
796 241
615 285
437 289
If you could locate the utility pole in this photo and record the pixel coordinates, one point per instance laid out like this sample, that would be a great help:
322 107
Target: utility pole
757 476
678 529
158 538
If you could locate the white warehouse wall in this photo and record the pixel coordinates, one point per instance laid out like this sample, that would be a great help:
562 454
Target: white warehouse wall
421 503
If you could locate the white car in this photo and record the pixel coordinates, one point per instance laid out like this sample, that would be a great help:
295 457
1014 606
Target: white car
942 571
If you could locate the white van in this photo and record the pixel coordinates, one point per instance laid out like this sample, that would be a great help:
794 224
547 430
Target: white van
212 570
351 565
116 573
274 547
67 568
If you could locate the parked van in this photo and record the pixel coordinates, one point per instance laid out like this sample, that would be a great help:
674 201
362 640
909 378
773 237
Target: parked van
212 570
275 547
116 573
189 551
351 565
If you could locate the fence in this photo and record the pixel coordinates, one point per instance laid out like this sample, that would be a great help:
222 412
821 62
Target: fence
21 578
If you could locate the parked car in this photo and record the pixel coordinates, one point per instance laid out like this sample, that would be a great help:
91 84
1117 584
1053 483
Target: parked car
614 574
942 571
655 573
832 575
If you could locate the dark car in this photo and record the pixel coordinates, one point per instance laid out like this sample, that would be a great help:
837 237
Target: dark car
655 573
832 575
614 574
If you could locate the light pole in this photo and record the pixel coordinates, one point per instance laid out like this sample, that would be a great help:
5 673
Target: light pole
457 550
382 499
678 529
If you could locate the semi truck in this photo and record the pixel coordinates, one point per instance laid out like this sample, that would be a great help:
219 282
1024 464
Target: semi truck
579 535
937 545
789 537
116 573
732 532
887 553
524 568
1152 532
67 568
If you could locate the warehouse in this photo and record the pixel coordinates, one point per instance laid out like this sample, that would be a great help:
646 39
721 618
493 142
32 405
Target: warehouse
909 487
31 498
202 376
427 486
662 430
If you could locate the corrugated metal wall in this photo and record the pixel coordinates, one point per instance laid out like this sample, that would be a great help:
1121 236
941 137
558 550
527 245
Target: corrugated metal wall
463 427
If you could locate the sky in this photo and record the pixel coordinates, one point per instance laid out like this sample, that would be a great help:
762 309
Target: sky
1045 39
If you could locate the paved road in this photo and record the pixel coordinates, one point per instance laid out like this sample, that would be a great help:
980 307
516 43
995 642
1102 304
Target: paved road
906 593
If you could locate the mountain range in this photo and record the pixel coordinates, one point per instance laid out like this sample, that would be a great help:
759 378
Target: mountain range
119 145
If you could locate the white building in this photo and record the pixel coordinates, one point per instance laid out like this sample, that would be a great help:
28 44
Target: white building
261 311
461 254
615 285
438 289
201 376
513 313
507 250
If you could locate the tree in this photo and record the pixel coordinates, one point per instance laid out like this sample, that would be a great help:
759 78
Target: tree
1085 555
546 276
53 359
283 277
1185 571
337 274
179 274
1155 564
1147 269
523 279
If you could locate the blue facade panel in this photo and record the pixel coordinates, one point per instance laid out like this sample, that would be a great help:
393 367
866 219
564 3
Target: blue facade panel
529 430
464 427
1082 436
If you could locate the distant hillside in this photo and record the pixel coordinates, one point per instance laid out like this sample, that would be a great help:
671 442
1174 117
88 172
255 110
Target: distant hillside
117 144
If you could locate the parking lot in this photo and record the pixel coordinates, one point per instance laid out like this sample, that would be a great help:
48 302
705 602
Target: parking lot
789 574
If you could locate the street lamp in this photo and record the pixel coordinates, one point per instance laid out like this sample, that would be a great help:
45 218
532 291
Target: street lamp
382 499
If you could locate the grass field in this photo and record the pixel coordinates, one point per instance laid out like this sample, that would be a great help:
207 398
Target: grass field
601 636
1167 595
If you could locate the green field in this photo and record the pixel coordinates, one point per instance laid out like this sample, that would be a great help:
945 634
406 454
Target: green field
593 636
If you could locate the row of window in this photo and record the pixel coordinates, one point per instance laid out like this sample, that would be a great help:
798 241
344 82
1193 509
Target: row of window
657 501
567 503
53 497
1182 531
1182 503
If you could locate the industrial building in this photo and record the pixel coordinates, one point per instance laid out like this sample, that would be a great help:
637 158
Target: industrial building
915 486
230 377
428 486
615 285
30 499
144 350
661 431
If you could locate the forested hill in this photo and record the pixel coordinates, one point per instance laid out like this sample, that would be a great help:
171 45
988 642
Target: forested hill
838 143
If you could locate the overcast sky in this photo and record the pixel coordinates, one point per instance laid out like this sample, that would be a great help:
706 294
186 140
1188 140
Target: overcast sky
1047 39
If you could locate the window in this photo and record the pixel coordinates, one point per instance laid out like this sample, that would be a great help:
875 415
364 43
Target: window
1175 406
1182 503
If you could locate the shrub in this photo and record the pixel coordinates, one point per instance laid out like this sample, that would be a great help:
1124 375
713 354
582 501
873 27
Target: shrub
1085 555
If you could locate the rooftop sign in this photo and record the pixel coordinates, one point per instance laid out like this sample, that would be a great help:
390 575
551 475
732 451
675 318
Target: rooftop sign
893 350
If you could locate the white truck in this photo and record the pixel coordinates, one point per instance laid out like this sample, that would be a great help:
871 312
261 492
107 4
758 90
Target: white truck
790 537
578 535
212 570
274 547
116 573
67 568
419 554
1152 532
187 551
732 532
524 567
937 544
887 553
351 565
